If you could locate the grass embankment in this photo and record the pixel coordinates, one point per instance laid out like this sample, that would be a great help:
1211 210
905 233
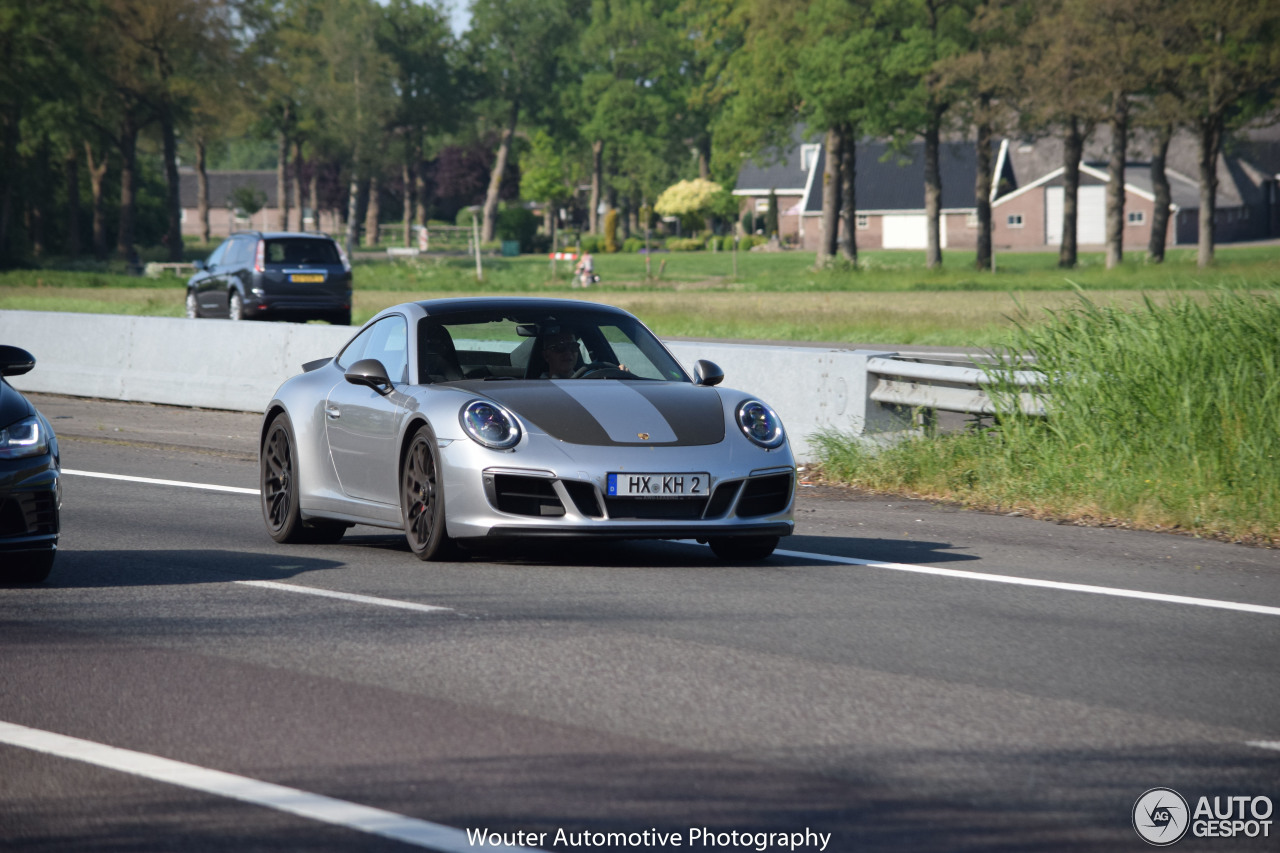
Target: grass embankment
1165 417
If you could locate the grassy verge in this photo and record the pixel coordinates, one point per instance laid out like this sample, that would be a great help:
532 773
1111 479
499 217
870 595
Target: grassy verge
1164 416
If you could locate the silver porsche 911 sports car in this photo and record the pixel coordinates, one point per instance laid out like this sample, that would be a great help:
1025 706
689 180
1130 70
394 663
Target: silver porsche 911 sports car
458 420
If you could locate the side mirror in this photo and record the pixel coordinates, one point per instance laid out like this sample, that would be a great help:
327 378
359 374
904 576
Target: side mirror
370 372
707 373
15 361
200 266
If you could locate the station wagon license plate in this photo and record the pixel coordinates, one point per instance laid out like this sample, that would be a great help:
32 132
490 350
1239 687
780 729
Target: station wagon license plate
659 485
308 278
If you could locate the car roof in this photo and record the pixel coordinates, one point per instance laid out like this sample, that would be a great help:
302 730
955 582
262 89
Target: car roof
275 235
463 304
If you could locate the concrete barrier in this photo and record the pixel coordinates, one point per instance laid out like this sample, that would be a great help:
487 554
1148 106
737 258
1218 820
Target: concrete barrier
216 364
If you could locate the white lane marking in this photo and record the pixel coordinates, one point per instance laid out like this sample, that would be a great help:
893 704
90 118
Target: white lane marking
1264 744
349 596
419 833
153 482
1042 584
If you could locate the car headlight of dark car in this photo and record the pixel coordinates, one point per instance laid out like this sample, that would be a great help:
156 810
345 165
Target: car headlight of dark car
27 437
760 424
490 425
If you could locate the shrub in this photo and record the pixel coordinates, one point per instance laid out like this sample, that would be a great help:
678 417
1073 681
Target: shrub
686 244
633 244
611 230
517 223
590 244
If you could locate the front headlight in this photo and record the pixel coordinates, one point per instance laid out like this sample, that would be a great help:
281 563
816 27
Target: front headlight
760 424
490 424
25 438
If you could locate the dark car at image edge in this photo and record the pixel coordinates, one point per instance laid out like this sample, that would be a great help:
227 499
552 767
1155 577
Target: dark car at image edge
30 486
273 275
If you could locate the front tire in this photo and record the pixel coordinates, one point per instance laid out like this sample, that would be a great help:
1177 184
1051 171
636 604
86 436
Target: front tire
422 498
193 305
29 566
739 549
278 481
235 306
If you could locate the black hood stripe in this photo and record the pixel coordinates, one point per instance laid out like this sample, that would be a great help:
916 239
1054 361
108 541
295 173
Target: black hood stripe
607 412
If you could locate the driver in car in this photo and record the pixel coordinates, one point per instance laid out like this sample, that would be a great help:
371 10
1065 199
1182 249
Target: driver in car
561 351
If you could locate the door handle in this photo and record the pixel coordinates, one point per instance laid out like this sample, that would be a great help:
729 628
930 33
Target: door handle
333 412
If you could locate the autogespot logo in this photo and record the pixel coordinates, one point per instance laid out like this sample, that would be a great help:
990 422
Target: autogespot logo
1160 816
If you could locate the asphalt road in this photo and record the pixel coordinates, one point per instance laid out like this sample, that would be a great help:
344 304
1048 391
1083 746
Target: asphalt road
903 676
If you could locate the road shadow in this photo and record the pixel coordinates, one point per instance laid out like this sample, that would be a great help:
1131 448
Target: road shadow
99 569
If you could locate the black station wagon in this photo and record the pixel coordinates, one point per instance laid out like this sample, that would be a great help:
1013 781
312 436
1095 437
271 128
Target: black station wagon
273 276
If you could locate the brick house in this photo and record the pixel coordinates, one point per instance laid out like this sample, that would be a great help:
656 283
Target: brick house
223 219
890 194
1027 192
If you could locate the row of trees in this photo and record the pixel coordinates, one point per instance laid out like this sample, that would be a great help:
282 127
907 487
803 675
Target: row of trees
623 96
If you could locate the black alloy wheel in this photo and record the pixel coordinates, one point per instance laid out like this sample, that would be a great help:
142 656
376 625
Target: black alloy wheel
422 498
279 488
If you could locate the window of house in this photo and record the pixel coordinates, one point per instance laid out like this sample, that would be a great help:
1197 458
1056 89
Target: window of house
809 156
971 220
863 222
1136 217
1014 220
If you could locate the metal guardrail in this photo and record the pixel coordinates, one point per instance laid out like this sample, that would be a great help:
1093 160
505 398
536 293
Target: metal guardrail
953 387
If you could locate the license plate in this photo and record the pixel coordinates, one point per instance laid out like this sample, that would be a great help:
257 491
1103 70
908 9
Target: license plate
659 485
299 278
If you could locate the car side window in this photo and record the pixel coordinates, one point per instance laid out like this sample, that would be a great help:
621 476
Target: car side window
219 255
386 340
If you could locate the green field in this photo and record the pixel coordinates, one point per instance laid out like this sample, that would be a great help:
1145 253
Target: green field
892 299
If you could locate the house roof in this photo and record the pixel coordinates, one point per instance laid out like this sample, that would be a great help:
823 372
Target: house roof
887 179
222 184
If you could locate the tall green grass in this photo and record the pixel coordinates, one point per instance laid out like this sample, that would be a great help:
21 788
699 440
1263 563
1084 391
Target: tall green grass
1166 416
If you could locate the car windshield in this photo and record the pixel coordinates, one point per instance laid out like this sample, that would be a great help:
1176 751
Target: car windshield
301 250
517 345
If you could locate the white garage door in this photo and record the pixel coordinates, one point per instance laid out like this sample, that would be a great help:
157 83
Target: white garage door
1091 217
909 231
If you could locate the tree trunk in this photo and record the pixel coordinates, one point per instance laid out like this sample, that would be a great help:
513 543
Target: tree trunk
202 190
406 175
282 180
313 196
353 210
173 201
1163 196
1210 130
849 197
1115 179
597 182
372 214
297 184
828 240
8 175
1073 145
982 191
933 189
489 224
71 171
125 235
97 174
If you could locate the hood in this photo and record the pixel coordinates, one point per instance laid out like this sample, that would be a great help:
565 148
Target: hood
13 406
606 412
